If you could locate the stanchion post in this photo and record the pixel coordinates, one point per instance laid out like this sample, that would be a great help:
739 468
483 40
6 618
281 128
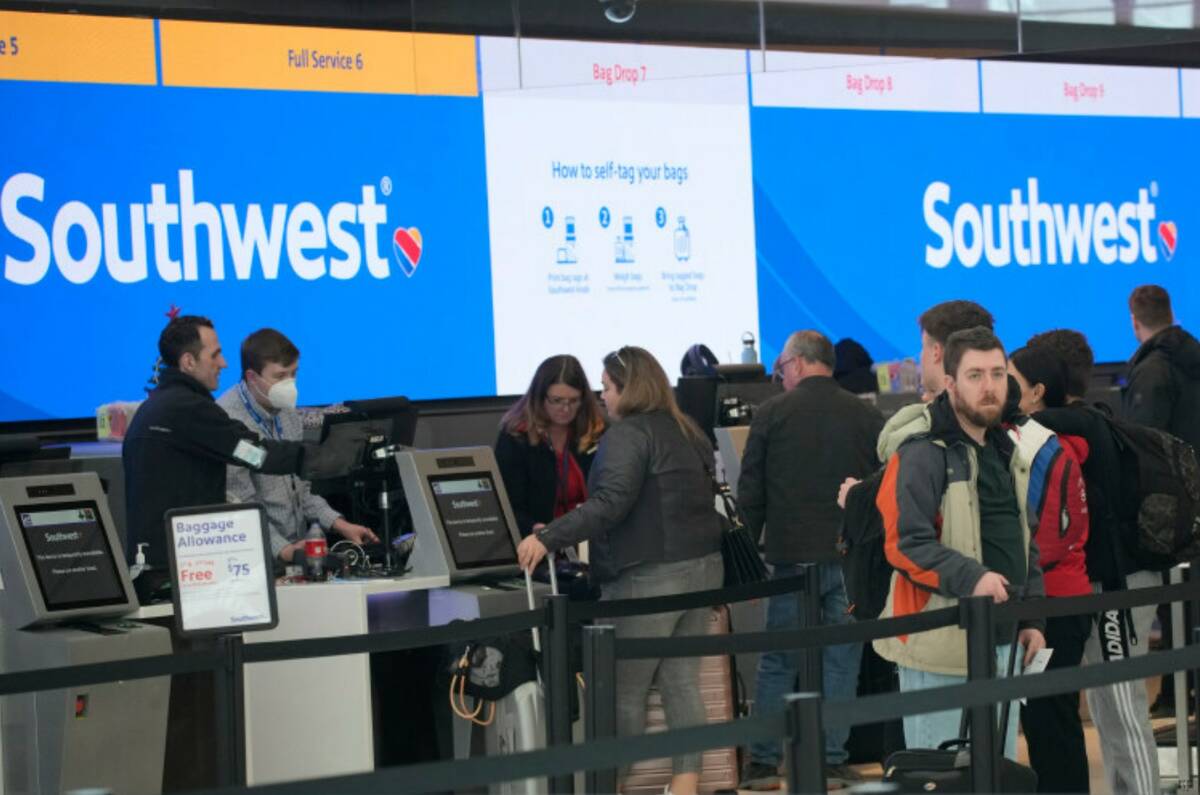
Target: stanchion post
230 692
558 684
809 611
805 745
979 620
1191 700
600 698
1196 694
1179 639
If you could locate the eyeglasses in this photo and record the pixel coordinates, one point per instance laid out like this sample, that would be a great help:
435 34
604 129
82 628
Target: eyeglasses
617 355
563 402
777 372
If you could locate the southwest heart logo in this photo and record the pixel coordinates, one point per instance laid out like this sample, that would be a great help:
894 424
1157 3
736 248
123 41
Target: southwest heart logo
1168 235
407 247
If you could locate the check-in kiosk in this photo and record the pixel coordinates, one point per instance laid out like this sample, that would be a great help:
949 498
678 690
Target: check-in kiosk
465 530
65 589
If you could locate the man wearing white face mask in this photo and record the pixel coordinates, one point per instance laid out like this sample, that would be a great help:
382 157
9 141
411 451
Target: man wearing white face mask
265 402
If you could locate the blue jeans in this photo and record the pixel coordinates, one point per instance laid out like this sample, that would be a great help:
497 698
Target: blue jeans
777 670
933 728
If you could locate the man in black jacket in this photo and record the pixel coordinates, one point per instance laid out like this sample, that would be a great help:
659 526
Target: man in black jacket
802 444
180 442
1163 392
1164 380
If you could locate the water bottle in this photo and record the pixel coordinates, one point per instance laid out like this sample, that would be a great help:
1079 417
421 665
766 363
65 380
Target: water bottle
749 355
315 551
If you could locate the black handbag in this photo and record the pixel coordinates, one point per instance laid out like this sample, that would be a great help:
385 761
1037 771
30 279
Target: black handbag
743 564
947 768
739 552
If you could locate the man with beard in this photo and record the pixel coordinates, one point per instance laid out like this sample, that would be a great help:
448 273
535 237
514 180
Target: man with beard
953 503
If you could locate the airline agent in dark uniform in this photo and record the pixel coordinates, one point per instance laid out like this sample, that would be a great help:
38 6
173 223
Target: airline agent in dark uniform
175 454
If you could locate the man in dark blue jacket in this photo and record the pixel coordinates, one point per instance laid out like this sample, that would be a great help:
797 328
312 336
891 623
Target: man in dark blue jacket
802 445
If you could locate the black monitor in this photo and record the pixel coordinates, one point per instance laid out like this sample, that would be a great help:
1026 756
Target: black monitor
395 418
697 398
24 448
473 520
728 398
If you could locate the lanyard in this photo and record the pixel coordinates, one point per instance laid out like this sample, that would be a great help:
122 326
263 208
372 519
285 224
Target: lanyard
249 404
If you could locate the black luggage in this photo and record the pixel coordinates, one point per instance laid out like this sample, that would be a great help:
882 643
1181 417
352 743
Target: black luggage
947 768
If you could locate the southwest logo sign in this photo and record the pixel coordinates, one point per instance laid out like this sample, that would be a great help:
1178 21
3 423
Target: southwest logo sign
406 248
1168 237
1025 229
157 236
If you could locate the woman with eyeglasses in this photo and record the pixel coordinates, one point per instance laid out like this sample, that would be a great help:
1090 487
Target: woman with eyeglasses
653 531
547 441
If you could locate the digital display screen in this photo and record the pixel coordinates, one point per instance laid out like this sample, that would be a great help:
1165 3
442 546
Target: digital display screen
473 521
71 556
559 180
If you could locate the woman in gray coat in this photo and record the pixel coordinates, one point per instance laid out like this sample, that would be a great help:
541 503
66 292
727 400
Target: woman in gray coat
653 530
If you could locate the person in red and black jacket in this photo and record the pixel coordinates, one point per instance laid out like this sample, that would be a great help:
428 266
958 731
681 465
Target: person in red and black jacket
547 441
1119 712
1057 504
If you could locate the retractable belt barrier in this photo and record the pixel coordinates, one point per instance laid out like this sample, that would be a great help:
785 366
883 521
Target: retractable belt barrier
778 640
605 752
866 631
466 774
394 641
210 660
617 608
889 706
69 676
274 651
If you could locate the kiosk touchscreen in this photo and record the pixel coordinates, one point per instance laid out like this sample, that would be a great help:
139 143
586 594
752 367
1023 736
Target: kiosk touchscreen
66 590
464 524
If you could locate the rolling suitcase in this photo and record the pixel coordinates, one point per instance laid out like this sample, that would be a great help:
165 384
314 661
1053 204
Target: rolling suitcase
719 770
515 722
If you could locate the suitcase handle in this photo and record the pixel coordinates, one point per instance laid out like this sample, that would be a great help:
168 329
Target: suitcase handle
960 742
537 635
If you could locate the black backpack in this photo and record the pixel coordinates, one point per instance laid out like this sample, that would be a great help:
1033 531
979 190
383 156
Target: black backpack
1159 505
865 567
